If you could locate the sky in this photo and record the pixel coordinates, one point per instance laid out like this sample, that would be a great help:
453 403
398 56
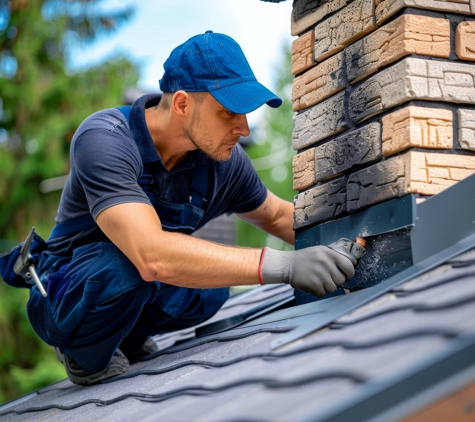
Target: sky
158 26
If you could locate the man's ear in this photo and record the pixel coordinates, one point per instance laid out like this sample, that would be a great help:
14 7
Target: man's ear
181 102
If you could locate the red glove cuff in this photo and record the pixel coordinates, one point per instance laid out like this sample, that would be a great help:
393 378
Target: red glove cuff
260 265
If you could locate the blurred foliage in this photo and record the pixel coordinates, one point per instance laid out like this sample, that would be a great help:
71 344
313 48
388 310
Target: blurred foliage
42 102
272 153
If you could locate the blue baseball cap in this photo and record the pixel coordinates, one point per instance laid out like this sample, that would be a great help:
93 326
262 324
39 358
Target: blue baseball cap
215 63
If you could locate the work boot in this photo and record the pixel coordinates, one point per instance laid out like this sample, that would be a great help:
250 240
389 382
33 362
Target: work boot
118 365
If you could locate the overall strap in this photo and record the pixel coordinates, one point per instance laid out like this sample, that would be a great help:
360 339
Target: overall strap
72 226
146 178
199 185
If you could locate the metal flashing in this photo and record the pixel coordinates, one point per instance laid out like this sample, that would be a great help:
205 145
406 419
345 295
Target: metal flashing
382 218
334 308
444 219
249 296
300 311
387 229
238 319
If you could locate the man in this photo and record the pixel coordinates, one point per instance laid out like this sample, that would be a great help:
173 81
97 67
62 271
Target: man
120 265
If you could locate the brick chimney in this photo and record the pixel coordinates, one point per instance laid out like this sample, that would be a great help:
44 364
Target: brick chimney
384 92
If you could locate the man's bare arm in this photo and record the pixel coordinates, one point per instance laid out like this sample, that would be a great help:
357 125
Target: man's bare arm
187 261
174 258
275 216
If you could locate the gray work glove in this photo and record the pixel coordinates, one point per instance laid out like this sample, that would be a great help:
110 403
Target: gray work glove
318 269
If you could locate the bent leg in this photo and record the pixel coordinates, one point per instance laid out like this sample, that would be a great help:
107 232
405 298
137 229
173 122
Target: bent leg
173 308
94 299
98 302
104 326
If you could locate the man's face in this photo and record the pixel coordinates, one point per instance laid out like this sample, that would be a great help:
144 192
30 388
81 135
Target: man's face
214 129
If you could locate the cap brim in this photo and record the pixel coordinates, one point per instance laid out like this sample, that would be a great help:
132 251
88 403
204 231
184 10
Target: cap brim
244 97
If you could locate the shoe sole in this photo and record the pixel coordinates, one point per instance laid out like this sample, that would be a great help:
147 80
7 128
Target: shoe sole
112 370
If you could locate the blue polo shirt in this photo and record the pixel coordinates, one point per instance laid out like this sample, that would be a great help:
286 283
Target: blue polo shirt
107 156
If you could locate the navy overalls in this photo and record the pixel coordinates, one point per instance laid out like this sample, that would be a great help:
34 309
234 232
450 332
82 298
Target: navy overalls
97 301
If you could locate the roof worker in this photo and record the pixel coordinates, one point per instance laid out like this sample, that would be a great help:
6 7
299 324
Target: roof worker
119 265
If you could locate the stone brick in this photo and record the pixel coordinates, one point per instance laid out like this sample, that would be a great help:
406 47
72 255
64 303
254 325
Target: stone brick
307 13
377 183
387 8
412 79
467 129
344 27
325 119
321 203
413 172
304 169
417 127
344 153
408 34
347 152
465 41
430 182
302 53
318 83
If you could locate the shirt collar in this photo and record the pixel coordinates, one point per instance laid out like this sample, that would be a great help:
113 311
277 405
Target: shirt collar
142 138
139 129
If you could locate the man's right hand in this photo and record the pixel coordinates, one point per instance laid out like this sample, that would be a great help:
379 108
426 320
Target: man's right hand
318 269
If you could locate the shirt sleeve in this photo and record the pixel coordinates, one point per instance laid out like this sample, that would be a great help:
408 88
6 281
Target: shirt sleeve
107 166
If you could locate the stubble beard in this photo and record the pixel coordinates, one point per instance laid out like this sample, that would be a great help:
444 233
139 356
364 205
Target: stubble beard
203 140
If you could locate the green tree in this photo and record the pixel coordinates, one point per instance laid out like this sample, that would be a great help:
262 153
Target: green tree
272 153
42 101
